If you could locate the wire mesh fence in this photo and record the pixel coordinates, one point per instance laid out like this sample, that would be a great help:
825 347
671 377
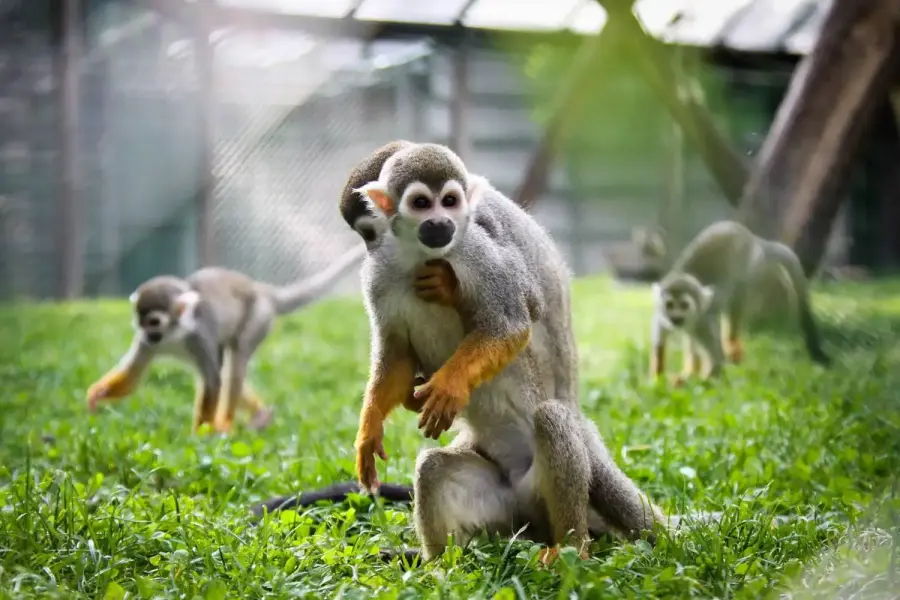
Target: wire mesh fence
290 116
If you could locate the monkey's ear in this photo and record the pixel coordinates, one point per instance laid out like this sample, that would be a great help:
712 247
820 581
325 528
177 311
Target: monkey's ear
477 186
706 296
376 194
133 298
185 303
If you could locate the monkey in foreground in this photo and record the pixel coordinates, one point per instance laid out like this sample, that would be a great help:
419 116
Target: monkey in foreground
214 320
506 364
712 275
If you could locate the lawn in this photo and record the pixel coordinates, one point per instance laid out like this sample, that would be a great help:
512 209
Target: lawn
127 503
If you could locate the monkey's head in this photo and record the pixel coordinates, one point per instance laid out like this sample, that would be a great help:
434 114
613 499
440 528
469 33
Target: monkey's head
680 299
427 197
162 306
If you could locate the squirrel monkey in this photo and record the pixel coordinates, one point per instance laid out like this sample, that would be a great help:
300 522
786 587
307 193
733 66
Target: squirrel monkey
504 361
214 320
712 275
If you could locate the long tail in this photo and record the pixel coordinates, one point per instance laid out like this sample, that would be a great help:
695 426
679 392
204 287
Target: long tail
335 493
791 264
296 295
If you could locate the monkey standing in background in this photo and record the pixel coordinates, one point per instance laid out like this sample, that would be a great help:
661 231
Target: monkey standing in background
712 275
521 455
214 320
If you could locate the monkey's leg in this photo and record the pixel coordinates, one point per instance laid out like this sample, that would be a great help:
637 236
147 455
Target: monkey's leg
456 491
613 495
235 368
707 335
260 414
731 335
562 476
208 356
658 338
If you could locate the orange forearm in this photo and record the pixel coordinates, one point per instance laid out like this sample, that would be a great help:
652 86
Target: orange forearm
479 358
387 389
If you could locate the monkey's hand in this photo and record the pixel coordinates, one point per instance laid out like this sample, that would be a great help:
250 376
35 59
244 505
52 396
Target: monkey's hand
413 403
366 449
115 384
548 555
443 399
436 282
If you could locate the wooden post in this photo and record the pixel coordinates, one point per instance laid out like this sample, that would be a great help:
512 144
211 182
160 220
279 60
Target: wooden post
803 168
459 102
70 216
205 199
887 168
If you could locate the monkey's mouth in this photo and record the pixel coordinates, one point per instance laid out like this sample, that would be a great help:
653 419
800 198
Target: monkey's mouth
436 234
677 321
153 337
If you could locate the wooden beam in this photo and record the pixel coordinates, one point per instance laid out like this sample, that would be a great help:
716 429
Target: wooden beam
204 56
803 168
567 104
70 212
459 103
681 97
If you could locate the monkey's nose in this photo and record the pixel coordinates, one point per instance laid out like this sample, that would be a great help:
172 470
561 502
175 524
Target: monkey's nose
436 233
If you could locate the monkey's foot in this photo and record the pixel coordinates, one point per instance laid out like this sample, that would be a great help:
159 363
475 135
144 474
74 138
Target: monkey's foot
366 472
734 350
680 380
262 418
223 425
548 556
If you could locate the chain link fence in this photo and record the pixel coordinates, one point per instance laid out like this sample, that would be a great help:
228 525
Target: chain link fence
291 116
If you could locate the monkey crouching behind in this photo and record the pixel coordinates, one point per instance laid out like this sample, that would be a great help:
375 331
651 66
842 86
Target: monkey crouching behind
713 275
506 364
214 320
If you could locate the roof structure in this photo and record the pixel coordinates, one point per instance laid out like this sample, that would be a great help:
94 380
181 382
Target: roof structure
778 26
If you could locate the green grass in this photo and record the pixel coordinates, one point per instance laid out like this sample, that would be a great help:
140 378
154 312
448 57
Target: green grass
128 503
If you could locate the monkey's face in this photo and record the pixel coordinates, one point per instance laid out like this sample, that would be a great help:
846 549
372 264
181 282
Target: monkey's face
681 301
431 218
159 310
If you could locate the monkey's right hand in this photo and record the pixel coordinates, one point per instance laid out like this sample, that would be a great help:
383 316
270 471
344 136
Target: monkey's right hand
115 384
366 449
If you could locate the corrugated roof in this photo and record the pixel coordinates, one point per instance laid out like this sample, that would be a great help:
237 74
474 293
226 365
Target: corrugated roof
750 25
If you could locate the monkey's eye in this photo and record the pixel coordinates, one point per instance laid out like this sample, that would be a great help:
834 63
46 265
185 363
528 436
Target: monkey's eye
449 201
670 305
421 202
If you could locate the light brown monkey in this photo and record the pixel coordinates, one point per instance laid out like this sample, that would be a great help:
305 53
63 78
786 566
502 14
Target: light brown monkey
214 320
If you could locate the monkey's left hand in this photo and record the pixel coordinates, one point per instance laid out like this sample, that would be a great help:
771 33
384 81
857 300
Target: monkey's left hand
115 384
443 400
436 282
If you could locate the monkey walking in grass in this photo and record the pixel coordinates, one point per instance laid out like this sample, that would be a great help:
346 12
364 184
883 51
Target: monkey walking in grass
713 275
213 320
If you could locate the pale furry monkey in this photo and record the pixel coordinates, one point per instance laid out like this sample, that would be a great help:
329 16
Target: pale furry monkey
711 276
507 365
214 320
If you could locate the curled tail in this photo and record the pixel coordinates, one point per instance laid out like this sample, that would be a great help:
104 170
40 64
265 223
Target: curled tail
296 295
785 257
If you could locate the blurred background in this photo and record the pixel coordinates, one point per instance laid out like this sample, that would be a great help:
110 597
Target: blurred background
157 136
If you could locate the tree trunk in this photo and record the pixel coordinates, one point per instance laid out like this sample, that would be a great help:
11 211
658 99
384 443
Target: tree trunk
803 168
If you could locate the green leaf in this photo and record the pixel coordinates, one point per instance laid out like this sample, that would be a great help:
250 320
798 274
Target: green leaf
114 591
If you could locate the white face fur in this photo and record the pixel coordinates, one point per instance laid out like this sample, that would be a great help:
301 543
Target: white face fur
159 326
429 222
679 308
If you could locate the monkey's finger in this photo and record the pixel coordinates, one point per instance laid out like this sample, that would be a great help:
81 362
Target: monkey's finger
379 450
